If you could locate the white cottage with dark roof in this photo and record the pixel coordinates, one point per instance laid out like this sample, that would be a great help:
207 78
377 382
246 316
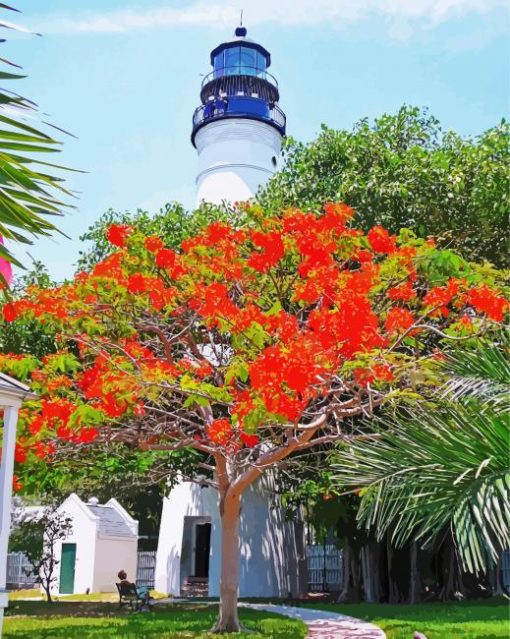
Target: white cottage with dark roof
104 540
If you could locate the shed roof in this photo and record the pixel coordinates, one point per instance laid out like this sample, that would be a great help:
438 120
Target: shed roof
111 522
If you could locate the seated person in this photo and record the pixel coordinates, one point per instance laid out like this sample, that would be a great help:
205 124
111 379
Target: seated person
141 591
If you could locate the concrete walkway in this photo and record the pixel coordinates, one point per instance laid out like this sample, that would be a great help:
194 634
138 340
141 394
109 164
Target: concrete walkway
323 624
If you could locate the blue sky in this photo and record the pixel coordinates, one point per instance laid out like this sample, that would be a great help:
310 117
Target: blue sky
124 76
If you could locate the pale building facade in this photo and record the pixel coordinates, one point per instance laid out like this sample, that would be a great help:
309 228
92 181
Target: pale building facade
273 559
104 540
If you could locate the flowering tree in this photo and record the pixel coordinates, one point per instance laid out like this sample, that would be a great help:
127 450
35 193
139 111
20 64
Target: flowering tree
248 344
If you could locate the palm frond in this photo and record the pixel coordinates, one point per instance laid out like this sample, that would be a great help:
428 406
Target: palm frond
434 470
481 372
28 195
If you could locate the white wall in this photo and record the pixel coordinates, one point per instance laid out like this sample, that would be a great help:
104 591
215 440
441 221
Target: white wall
185 500
272 554
84 536
235 157
273 561
114 554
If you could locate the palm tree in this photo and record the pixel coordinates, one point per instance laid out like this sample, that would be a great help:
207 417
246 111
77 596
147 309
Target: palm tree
443 467
30 191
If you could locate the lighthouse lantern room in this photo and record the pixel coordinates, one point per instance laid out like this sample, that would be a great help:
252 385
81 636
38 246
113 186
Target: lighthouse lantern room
238 128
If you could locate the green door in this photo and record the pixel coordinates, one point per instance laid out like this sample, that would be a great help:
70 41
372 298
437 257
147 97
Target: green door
67 569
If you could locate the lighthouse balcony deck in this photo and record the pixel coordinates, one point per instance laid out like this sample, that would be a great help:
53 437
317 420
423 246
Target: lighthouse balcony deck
239 106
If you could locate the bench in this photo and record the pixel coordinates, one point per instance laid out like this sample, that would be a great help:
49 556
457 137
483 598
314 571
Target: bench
128 596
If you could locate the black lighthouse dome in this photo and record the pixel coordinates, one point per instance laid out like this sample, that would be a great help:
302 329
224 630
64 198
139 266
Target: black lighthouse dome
239 85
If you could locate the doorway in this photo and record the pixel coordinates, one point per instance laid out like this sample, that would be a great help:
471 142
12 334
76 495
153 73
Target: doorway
67 569
202 549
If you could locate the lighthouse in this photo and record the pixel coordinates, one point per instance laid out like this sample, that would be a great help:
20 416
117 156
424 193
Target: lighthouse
238 127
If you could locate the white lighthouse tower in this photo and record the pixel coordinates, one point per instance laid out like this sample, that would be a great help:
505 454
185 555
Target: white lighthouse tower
238 128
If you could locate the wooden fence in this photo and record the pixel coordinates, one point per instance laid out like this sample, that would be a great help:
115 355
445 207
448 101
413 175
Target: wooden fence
325 568
146 568
18 572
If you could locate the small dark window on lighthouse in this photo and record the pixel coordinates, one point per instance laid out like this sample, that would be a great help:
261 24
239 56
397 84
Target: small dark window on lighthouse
274 160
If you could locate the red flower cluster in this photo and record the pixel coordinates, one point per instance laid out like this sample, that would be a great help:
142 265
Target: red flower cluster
442 295
222 433
404 292
169 260
485 300
398 320
213 302
10 311
337 216
272 251
381 241
110 267
153 244
349 328
117 234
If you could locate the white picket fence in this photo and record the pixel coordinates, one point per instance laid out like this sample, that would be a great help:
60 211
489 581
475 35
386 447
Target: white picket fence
146 568
325 568
18 572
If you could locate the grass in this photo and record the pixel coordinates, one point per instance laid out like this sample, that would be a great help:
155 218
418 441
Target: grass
32 593
111 597
483 619
94 616
98 620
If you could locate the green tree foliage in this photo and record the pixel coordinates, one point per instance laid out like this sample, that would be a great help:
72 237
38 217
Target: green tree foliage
405 171
172 224
432 469
30 337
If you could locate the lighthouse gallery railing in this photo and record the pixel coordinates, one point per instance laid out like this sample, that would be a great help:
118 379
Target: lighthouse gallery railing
241 107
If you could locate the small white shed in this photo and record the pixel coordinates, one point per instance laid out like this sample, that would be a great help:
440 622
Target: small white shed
104 540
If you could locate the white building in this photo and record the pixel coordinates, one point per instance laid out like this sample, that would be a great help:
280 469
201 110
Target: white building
273 560
238 128
103 541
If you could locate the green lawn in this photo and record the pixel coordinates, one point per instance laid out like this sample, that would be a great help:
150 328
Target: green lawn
484 619
112 597
487 619
84 620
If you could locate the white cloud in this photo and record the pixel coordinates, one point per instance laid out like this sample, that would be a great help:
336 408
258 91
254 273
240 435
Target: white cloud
403 16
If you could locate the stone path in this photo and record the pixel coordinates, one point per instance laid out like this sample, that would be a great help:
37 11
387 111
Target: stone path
323 624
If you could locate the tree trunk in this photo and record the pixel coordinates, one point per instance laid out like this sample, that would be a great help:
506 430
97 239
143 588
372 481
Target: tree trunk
451 575
228 620
48 594
393 590
414 575
370 571
351 587
495 579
